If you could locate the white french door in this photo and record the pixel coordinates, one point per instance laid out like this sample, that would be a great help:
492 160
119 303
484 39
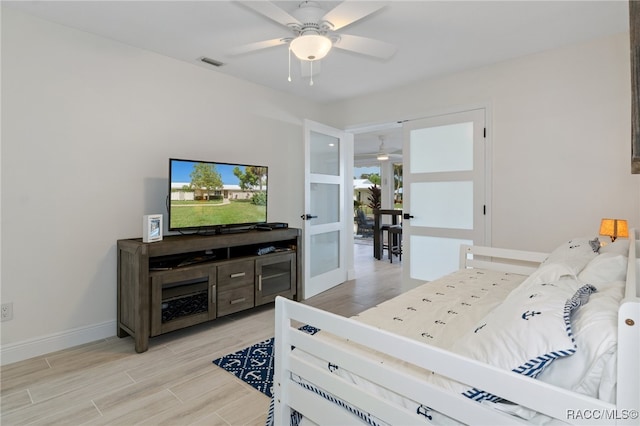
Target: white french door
328 206
445 192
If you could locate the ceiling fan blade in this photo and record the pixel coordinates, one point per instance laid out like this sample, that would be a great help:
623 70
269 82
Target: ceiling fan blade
252 47
349 12
271 11
366 46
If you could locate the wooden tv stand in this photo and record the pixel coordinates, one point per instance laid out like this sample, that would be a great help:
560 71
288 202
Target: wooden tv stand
188 279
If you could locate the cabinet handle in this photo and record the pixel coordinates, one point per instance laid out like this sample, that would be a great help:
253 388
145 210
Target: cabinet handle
260 282
238 274
233 302
212 294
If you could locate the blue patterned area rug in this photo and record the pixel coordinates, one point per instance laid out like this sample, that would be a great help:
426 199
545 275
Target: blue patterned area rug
254 365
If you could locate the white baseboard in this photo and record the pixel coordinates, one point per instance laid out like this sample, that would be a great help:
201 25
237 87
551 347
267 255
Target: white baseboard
30 348
351 274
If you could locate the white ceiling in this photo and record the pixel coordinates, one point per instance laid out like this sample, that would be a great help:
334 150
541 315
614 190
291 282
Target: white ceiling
432 38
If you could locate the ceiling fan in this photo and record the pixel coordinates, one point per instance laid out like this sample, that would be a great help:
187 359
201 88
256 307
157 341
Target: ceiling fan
383 153
313 30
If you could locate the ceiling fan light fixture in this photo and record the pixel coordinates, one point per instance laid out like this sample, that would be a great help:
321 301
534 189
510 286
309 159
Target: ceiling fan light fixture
310 47
382 153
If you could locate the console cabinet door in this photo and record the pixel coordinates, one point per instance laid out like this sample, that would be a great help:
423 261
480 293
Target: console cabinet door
275 276
182 297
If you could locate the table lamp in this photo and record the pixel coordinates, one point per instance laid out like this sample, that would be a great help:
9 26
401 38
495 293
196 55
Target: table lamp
614 228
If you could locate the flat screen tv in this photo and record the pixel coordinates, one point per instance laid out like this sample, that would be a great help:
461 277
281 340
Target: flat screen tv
209 196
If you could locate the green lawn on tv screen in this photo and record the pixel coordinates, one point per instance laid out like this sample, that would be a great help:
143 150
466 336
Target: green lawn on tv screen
186 214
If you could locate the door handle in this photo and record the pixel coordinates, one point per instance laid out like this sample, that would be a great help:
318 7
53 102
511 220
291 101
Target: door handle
407 216
308 217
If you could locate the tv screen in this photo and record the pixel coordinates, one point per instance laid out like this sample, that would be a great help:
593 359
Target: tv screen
206 194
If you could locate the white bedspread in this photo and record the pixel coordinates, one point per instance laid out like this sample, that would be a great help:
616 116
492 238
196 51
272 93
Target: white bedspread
440 311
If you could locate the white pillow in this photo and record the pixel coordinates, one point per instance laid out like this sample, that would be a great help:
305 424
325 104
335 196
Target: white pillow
605 268
575 254
526 333
548 273
618 247
596 334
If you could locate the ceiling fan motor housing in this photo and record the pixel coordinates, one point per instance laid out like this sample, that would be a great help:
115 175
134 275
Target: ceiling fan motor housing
310 14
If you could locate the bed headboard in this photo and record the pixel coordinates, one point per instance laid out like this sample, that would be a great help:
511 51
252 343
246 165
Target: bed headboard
497 259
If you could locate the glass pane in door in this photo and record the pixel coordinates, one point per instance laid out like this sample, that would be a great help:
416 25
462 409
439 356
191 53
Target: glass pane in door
325 203
325 154
443 204
439 256
442 148
326 254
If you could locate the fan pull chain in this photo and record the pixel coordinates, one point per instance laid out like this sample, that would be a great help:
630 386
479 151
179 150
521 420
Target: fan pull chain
289 63
311 72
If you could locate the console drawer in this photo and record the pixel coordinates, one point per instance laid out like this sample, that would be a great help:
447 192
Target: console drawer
235 275
235 300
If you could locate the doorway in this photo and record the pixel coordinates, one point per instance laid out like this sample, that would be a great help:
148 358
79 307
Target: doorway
377 180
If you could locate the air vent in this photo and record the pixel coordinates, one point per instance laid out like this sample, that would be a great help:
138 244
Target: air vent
211 61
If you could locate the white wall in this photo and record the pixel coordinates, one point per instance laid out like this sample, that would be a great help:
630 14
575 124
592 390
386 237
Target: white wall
88 125
560 133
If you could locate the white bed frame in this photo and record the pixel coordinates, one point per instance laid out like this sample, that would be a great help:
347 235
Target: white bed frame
555 402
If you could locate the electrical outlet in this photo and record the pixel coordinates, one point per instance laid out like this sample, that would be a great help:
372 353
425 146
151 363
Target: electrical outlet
6 311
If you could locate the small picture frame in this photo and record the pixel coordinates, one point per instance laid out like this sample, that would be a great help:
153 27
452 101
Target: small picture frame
151 228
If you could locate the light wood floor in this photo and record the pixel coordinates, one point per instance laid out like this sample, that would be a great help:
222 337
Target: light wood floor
175 381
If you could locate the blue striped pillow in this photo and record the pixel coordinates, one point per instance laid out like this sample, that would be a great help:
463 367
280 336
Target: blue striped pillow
528 331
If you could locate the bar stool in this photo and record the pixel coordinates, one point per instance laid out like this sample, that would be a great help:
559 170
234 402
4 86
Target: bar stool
384 228
394 241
